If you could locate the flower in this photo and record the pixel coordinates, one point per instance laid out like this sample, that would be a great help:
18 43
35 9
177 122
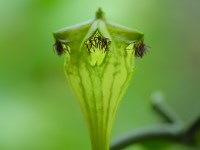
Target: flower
99 65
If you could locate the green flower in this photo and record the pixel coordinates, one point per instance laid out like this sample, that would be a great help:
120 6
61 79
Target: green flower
99 64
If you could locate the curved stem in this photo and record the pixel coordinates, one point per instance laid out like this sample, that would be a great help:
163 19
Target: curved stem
156 132
172 130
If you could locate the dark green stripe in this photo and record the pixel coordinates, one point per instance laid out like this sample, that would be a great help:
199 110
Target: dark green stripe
87 109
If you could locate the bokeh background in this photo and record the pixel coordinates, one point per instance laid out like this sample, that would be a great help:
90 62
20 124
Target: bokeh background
38 110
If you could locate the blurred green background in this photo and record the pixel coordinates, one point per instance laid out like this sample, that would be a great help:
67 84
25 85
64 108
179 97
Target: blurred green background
38 110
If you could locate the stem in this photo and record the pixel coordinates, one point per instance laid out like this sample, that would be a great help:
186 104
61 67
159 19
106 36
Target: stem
189 136
144 134
166 112
172 131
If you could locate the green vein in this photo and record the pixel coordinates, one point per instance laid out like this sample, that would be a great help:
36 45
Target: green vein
87 109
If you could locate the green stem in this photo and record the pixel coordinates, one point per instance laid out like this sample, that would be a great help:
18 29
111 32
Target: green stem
173 131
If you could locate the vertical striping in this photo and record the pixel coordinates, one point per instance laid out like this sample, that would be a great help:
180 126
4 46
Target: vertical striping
108 101
90 123
105 101
93 107
99 68
123 87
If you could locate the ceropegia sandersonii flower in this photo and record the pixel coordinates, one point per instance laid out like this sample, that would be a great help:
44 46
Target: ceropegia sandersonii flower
99 64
